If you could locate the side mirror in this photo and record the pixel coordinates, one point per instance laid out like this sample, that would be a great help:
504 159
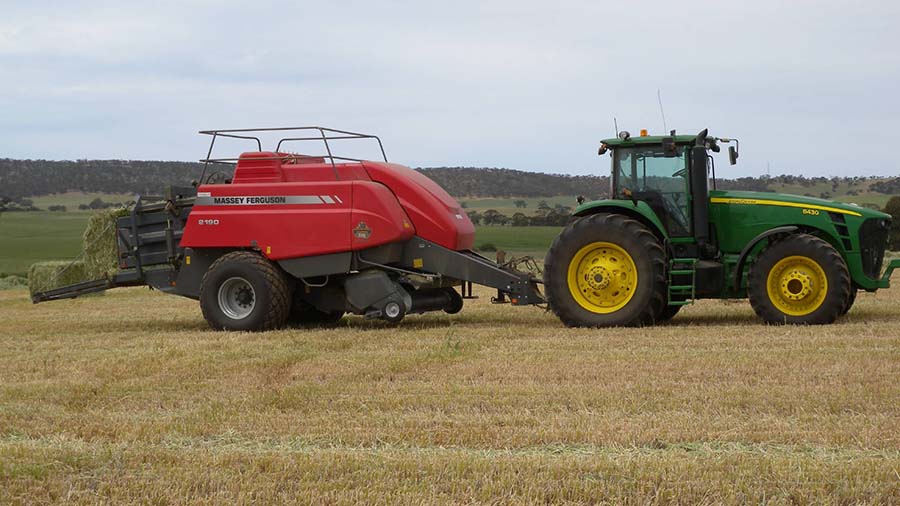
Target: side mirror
732 155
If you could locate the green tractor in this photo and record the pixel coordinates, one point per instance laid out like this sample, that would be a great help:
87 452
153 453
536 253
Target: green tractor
665 239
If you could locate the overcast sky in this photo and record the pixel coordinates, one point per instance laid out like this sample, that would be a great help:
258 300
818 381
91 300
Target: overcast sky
809 87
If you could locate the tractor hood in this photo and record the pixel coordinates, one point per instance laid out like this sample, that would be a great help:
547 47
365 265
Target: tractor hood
785 200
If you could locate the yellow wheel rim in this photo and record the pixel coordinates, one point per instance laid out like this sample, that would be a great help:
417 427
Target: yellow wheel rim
602 277
797 285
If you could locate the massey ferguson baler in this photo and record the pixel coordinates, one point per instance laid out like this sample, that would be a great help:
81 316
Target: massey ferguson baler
303 238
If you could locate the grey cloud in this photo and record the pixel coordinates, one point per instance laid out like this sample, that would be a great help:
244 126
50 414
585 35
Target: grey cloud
527 85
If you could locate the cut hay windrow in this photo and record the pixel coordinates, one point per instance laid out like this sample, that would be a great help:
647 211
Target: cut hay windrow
100 254
11 282
43 276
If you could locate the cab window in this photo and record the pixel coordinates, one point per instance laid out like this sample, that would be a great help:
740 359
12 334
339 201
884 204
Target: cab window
646 173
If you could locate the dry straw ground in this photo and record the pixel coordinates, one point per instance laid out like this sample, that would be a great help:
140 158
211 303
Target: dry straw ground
129 398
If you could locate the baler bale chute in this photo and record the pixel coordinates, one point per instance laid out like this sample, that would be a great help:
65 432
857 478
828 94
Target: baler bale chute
282 237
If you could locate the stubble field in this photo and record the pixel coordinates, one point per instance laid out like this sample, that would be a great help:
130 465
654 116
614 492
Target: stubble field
130 398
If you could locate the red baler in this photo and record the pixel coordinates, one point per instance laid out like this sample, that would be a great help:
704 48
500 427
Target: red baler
291 237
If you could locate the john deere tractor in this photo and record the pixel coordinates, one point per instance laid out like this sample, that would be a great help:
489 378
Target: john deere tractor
664 239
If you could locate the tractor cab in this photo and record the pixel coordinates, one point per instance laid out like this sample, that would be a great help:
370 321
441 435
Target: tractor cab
671 175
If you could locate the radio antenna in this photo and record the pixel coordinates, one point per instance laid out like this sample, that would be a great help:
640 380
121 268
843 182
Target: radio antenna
661 112
616 126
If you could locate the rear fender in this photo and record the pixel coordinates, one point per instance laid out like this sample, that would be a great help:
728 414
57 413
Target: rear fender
640 211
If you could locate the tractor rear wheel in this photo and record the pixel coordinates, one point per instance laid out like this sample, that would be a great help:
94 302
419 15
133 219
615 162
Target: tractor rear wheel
606 270
800 279
244 291
850 301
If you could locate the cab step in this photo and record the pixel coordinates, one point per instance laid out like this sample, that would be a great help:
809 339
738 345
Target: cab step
682 271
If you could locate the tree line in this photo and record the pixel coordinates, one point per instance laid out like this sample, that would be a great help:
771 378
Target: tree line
21 179
544 215
28 178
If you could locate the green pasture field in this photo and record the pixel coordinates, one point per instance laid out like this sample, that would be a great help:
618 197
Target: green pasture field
507 207
73 199
517 240
26 238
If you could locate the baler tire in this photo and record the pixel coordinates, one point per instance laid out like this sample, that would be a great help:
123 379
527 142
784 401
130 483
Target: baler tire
456 300
648 299
814 254
271 288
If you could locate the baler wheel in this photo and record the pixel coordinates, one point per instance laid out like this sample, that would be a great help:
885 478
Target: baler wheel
800 279
606 270
393 312
244 291
456 301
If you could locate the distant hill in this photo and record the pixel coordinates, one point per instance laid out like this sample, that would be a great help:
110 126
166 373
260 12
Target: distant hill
29 178
482 182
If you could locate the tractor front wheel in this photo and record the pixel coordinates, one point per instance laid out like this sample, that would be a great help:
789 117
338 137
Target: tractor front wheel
800 279
244 291
606 270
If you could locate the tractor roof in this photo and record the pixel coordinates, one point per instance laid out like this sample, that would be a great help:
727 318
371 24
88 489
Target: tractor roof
649 139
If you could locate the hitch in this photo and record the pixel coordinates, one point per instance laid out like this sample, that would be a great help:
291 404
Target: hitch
885 280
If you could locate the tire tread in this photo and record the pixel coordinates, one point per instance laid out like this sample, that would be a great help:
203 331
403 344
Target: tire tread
279 288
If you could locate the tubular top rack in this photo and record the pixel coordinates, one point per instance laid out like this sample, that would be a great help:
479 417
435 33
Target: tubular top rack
325 135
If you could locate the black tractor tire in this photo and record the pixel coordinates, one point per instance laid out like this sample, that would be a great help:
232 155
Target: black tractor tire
850 300
837 278
668 312
265 290
649 297
305 314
